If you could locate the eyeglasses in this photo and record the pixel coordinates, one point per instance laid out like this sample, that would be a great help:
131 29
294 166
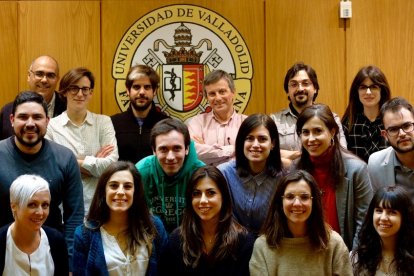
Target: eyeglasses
372 88
304 198
74 90
40 75
304 84
395 130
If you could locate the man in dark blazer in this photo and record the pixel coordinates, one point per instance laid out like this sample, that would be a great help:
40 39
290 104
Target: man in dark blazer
42 78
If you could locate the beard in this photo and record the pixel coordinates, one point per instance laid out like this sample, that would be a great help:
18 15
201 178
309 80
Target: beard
402 150
31 143
301 98
141 107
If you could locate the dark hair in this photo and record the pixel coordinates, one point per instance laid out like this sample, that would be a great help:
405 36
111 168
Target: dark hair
167 125
140 226
394 105
227 230
299 66
274 161
73 76
354 105
368 253
275 227
324 113
27 97
217 75
140 70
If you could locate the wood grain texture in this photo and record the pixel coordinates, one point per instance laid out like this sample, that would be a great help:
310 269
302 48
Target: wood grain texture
67 30
308 31
381 33
9 62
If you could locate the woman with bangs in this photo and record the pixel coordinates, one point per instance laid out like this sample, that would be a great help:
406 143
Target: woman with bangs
361 122
253 176
209 240
295 238
386 240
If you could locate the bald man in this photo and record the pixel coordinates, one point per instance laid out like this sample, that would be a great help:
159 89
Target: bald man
42 78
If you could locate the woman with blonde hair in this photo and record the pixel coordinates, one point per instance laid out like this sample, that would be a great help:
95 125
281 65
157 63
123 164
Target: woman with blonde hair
27 247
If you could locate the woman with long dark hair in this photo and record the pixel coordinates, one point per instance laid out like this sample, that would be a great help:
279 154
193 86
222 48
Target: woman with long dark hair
386 239
209 240
296 240
119 236
341 176
361 122
253 176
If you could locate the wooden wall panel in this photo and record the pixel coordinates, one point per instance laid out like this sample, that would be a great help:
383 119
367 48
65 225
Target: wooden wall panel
8 52
308 31
381 33
239 13
67 30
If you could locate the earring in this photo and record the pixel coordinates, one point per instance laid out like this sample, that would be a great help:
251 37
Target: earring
332 141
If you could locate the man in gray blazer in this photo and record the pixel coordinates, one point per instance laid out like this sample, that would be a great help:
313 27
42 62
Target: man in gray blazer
395 165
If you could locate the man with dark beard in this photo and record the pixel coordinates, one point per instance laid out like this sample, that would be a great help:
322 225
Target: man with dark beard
301 86
133 127
395 164
27 152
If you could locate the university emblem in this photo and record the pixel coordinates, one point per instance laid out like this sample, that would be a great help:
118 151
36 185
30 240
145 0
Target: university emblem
183 43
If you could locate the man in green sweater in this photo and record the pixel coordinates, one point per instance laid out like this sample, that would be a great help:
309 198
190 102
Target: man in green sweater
165 174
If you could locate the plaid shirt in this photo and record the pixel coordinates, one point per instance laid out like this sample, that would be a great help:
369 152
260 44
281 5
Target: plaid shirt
365 137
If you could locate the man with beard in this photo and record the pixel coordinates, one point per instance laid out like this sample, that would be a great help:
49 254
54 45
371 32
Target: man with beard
27 152
395 164
42 78
133 127
301 86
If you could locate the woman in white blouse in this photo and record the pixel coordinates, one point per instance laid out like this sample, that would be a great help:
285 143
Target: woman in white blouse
90 136
119 236
27 247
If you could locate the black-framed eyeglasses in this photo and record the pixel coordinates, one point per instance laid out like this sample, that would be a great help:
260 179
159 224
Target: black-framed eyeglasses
395 130
40 75
372 88
74 90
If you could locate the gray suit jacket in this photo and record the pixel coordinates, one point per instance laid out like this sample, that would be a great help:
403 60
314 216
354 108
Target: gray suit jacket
353 195
381 168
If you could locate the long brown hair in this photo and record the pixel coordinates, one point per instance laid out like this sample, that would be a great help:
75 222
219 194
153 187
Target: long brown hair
275 227
228 229
140 226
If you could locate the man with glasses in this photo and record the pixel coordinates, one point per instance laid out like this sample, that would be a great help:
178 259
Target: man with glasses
42 78
395 164
301 86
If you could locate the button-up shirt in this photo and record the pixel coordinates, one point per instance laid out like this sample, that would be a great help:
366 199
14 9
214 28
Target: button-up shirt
219 138
85 141
286 126
251 195
365 136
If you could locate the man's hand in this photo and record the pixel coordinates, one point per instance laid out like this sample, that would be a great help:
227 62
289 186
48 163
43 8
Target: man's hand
198 140
105 151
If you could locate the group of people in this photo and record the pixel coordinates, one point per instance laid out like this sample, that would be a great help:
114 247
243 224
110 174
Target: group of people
290 193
